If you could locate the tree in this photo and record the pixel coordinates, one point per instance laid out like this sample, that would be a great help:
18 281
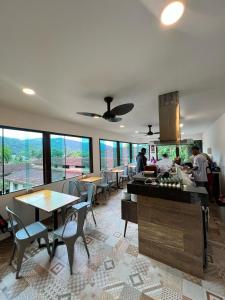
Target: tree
7 154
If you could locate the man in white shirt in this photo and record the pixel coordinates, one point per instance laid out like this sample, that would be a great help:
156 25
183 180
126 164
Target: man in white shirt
165 164
200 164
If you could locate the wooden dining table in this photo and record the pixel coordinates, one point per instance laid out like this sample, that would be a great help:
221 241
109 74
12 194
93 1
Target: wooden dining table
91 179
48 201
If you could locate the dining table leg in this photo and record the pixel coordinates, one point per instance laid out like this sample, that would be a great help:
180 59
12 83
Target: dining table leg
55 226
37 219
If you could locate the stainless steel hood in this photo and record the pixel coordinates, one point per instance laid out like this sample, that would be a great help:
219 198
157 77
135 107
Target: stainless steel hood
169 118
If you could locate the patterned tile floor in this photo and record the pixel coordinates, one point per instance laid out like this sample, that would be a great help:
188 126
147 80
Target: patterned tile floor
115 270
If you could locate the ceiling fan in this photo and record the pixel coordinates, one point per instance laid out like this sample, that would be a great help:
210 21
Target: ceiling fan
111 114
149 131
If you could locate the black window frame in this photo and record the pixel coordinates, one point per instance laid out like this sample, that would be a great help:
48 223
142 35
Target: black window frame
71 135
3 165
117 150
139 144
46 153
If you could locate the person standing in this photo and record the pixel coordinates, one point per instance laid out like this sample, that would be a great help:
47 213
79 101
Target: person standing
200 164
141 160
165 164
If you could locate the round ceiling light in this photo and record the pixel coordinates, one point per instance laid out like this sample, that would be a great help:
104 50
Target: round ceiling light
172 13
181 125
96 117
122 126
28 91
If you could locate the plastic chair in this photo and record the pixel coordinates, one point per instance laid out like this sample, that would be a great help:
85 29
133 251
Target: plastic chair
24 236
71 230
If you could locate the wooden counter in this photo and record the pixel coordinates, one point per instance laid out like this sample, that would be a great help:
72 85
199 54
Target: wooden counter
171 231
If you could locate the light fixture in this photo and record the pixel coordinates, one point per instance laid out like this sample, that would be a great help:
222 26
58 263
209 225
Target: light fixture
121 126
181 125
182 132
136 131
96 117
28 91
172 13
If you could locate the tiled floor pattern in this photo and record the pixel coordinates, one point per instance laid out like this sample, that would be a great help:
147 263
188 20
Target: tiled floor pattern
115 270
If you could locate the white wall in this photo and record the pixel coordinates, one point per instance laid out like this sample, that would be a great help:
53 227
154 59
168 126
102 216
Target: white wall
214 138
9 117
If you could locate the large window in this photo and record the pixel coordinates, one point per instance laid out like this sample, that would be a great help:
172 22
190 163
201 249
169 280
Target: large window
108 154
1 162
124 153
70 156
137 148
21 160
170 150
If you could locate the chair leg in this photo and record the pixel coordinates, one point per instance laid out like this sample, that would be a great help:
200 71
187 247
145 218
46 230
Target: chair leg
70 252
20 253
125 228
13 253
53 249
85 244
105 194
48 246
93 216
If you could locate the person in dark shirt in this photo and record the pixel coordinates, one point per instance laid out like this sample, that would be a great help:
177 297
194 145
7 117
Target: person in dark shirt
141 160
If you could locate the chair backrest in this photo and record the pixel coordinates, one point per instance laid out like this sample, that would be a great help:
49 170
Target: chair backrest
109 176
103 174
125 171
91 192
72 187
14 216
81 210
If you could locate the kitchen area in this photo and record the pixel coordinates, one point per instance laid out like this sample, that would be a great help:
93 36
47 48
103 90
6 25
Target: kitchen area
170 205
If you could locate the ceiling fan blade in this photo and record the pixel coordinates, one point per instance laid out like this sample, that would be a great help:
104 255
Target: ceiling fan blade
143 133
122 109
87 114
156 132
115 119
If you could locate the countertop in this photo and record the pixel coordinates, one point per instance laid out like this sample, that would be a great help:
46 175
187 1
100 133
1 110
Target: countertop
188 194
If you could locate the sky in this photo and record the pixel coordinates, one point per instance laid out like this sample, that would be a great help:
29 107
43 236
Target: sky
22 135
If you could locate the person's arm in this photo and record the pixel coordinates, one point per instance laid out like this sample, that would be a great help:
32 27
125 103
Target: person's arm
195 164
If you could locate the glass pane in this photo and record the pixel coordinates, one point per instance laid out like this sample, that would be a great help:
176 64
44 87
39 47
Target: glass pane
57 157
124 153
137 148
170 150
23 159
77 156
1 164
108 154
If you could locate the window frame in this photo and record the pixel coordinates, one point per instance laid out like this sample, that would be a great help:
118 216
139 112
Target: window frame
46 146
99 145
139 144
71 135
117 150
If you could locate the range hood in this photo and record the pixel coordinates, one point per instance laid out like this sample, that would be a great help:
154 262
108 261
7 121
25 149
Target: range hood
169 118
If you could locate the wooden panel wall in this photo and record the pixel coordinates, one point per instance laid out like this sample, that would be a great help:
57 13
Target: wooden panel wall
171 232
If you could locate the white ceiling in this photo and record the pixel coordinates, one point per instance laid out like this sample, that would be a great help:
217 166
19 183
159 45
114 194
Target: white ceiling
75 52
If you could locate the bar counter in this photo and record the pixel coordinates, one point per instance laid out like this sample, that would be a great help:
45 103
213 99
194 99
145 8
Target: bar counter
172 225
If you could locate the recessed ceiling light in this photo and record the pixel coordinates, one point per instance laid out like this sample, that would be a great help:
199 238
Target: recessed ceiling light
182 132
172 13
181 125
28 91
96 117
136 131
121 126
